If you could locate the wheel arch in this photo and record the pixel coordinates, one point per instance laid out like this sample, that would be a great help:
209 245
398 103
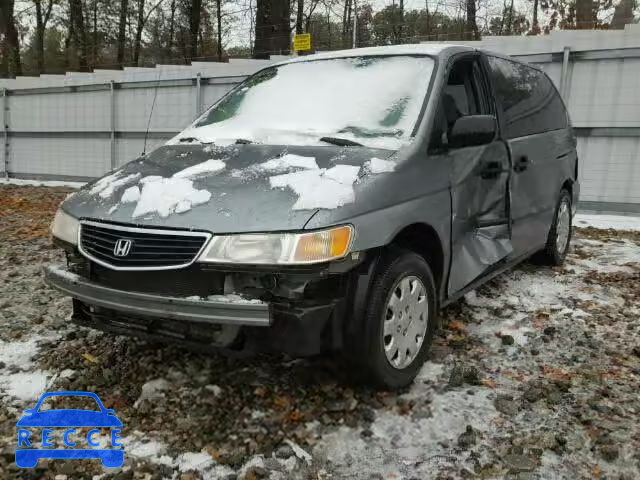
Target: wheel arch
424 240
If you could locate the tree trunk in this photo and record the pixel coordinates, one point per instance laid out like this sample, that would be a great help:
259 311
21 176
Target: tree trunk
535 27
11 44
194 12
623 14
299 16
401 22
584 14
219 19
39 36
273 29
472 26
76 18
172 20
122 32
139 27
428 14
95 32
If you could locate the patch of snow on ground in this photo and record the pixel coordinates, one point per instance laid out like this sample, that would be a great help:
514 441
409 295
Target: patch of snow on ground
402 446
24 386
617 222
40 183
152 390
618 256
137 446
492 328
208 167
168 195
19 353
378 165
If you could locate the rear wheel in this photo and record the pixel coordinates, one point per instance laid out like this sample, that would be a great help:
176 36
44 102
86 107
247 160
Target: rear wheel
559 237
393 340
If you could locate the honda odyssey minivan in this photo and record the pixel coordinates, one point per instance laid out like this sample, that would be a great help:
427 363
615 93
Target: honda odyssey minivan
330 203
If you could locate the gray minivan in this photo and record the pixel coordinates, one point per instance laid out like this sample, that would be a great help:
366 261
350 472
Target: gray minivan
330 203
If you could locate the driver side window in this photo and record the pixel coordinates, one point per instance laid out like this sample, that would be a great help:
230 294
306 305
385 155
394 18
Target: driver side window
464 94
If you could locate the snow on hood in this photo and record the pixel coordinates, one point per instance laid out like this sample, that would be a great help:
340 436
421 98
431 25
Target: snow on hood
243 188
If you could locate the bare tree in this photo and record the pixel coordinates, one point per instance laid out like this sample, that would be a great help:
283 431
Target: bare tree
79 33
535 26
142 19
194 13
10 41
300 16
472 26
42 18
273 29
122 32
623 14
585 18
219 28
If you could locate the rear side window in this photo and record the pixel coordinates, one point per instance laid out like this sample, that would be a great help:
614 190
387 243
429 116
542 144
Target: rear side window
530 102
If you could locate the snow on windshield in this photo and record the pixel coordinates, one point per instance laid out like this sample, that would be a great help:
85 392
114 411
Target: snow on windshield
374 101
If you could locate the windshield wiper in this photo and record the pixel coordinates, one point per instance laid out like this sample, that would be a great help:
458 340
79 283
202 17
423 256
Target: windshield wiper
193 140
341 142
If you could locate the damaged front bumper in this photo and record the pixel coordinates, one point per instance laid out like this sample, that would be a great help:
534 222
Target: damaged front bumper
301 312
145 304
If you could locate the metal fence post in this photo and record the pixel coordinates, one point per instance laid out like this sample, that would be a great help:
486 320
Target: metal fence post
112 123
565 85
5 128
198 94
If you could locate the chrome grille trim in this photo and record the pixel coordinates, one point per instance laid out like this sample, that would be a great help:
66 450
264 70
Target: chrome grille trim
205 236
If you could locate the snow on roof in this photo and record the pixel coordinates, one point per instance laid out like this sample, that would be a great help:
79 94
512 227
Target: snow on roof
411 49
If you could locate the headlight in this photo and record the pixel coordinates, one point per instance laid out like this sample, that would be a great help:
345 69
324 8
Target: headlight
65 227
280 248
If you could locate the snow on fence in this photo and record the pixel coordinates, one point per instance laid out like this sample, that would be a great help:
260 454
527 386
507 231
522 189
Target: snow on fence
80 125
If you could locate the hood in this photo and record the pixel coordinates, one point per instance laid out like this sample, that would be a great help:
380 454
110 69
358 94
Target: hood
225 189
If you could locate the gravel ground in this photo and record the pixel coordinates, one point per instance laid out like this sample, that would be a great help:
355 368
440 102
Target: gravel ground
533 376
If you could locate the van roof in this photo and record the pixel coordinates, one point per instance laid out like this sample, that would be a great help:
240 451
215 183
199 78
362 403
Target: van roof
410 49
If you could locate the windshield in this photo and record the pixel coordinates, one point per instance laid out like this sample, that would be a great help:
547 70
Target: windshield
372 101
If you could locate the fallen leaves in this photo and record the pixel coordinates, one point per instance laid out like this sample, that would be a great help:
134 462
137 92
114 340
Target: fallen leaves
90 358
26 212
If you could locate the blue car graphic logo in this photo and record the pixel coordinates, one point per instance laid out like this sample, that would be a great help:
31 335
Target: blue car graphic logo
69 419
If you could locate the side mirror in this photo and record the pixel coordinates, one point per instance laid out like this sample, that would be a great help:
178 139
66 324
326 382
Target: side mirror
472 130
29 411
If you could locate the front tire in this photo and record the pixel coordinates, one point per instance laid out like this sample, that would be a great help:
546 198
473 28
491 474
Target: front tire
393 340
559 237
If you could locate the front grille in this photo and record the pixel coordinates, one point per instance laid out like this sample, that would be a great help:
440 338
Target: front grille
149 248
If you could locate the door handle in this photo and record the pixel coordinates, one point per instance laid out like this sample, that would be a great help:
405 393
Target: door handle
521 164
491 170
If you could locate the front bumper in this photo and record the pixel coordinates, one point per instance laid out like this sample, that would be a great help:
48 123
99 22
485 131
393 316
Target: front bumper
145 304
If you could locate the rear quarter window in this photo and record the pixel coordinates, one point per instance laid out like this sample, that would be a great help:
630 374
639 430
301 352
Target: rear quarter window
530 102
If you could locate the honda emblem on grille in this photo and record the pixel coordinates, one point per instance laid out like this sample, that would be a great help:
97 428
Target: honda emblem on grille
122 247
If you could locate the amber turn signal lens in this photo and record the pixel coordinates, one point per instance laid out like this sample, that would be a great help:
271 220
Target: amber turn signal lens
324 245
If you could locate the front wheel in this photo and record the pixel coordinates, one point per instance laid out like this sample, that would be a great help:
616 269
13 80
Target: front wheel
393 340
559 237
